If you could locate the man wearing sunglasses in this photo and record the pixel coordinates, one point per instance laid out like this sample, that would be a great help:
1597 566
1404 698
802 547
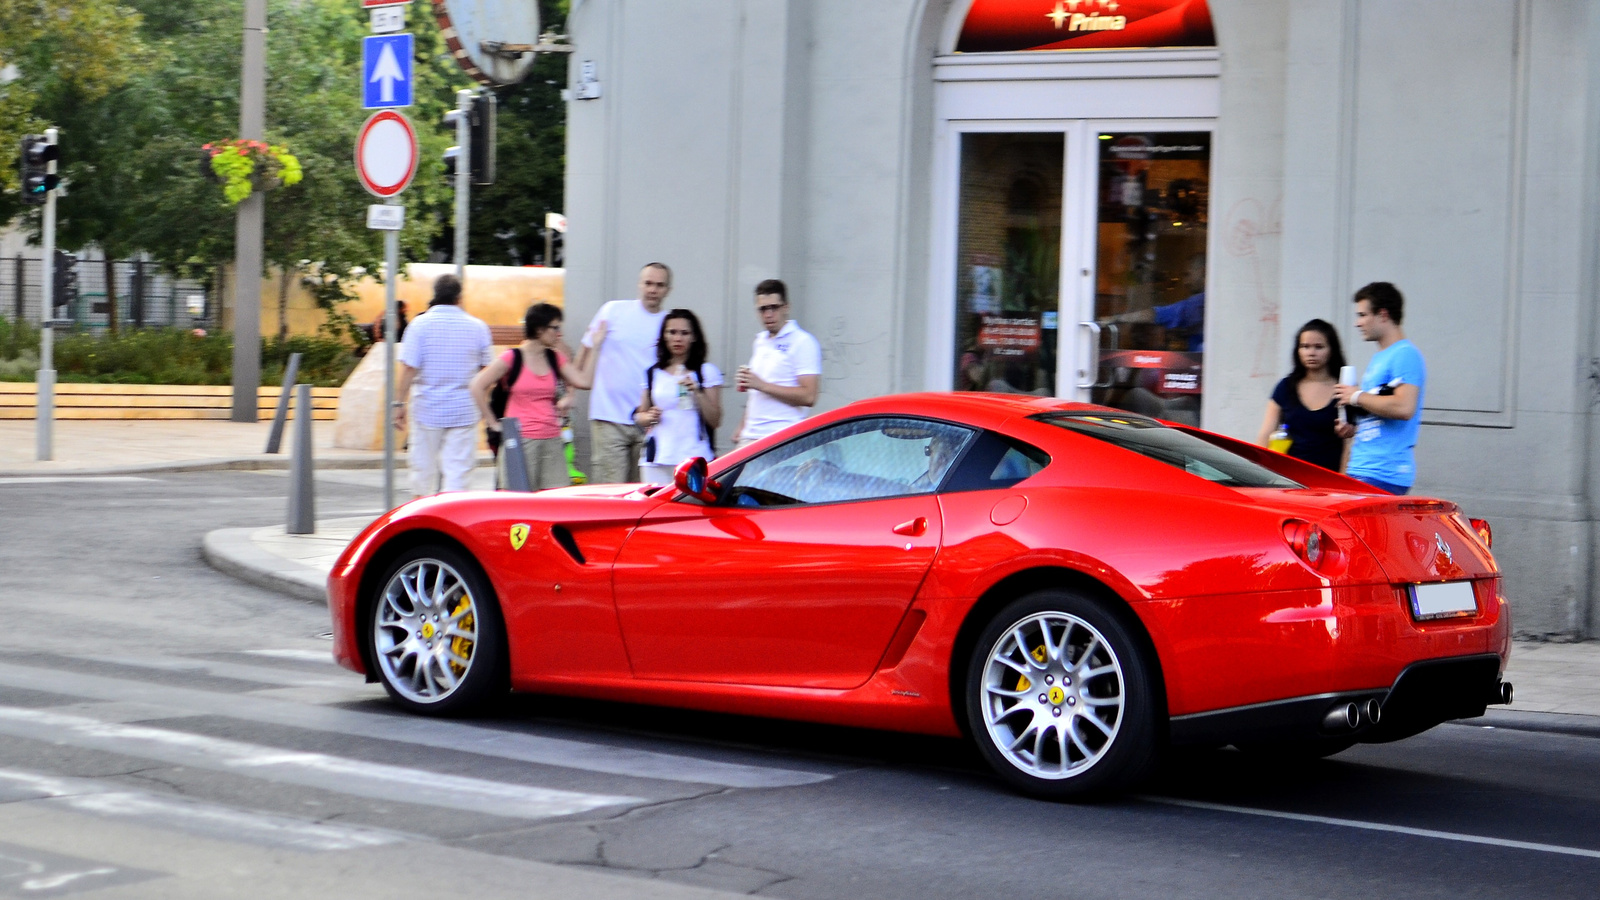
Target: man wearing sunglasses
785 370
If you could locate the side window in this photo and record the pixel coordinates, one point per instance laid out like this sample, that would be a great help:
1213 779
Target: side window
996 462
857 460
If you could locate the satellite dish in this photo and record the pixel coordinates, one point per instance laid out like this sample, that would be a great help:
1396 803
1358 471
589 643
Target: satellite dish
493 40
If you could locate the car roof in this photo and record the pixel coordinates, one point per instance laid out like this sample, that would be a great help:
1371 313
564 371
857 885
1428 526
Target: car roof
985 410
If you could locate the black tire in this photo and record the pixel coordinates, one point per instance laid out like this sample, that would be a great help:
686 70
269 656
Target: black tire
1087 760
416 656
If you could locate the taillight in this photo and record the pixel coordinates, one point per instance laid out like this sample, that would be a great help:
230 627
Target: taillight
1309 542
1481 528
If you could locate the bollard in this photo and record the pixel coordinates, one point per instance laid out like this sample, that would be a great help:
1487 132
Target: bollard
511 459
290 373
302 491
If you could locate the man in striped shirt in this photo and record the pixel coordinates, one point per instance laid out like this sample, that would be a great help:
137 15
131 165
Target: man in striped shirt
443 349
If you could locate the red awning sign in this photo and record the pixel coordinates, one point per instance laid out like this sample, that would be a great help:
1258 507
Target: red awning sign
386 153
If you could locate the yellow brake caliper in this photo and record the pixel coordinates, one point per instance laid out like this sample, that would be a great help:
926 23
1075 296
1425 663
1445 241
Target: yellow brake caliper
1022 680
461 646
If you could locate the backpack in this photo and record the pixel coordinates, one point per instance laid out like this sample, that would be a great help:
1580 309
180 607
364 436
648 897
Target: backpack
500 394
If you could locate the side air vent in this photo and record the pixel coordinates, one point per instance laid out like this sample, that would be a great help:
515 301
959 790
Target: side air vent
564 538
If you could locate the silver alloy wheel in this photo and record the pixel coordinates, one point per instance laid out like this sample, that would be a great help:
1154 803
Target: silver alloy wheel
425 632
1052 695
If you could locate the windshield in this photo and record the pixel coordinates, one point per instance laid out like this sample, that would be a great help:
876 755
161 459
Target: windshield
1147 437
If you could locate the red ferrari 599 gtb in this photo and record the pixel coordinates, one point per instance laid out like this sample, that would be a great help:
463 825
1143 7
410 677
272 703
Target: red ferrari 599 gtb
1076 588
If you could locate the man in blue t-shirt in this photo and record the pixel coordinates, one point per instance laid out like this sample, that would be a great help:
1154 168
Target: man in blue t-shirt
1390 395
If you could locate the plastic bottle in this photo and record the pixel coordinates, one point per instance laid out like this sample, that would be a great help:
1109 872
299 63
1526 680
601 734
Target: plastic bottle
1279 442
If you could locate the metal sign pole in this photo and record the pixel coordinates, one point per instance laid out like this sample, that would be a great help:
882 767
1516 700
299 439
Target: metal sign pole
463 180
391 331
45 392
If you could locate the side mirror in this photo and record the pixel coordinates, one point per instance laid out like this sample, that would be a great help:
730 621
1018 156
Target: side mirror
690 478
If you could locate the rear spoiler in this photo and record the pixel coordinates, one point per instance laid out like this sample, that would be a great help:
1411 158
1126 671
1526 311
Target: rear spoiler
1308 474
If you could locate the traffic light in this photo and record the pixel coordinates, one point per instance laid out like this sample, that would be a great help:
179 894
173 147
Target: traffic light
37 179
64 296
483 136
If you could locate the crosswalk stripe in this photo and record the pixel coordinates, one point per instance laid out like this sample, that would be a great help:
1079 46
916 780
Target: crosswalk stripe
438 733
231 670
317 770
312 656
192 816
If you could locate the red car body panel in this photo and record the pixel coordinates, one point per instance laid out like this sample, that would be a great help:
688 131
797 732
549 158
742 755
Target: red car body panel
851 613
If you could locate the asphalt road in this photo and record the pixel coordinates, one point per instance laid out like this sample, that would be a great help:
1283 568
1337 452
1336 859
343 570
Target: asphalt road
167 731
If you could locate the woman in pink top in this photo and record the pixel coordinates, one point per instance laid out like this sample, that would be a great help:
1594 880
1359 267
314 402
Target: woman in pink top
538 397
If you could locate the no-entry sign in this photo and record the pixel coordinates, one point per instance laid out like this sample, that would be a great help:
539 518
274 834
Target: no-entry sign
386 153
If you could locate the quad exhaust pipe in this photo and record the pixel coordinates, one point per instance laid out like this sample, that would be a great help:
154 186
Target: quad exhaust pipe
1350 716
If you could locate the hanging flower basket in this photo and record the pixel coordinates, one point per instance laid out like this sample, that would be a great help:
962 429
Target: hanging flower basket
244 167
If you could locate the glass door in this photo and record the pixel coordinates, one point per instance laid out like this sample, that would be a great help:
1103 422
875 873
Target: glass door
1080 262
1150 221
1008 261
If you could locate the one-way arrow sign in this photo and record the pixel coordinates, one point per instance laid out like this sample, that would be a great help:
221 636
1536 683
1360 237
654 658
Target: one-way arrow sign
386 71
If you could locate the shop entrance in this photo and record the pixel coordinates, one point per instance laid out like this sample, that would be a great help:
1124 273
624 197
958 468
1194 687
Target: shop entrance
1078 265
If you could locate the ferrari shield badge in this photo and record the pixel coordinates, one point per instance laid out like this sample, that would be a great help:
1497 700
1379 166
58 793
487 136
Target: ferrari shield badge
519 536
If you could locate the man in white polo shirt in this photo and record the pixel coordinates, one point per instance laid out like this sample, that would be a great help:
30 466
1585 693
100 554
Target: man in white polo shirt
632 329
785 370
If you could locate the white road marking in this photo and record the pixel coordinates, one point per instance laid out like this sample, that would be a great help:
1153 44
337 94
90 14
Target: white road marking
448 735
1379 826
231 670
192 816
318 770
65 479
318 656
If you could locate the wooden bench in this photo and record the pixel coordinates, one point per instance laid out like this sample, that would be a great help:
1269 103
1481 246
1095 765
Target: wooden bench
152 401
506 335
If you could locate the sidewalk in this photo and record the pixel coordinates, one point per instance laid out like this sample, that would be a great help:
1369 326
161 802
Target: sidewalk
1557 685
122 446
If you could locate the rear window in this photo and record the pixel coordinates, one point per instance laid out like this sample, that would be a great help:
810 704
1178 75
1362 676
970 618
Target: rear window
1147 437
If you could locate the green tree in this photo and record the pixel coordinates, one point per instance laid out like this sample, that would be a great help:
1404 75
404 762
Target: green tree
57 48
132 134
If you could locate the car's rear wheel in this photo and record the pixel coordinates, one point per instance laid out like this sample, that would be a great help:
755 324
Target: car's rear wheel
436 632
1061 698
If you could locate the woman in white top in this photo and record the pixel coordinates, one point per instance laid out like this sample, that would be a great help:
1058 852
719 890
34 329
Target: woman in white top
682 403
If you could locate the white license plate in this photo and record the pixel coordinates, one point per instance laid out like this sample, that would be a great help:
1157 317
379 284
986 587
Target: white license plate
1443 601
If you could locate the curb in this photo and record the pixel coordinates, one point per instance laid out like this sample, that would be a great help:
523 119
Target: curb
226 464
232 552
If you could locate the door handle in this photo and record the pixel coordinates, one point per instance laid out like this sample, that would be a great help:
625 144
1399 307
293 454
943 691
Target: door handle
1093 364
1092 369
913 528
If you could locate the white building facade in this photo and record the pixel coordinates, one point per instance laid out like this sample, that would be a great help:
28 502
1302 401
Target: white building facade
1135 203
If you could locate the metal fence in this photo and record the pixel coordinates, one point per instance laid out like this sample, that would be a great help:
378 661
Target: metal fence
146 297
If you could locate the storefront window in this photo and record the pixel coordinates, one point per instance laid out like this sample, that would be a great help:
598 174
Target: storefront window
1150 272
1008 262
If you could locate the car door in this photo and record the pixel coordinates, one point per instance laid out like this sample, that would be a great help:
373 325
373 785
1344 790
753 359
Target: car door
800 574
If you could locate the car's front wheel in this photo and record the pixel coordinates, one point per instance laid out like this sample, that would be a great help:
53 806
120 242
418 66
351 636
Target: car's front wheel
436 633
1061 698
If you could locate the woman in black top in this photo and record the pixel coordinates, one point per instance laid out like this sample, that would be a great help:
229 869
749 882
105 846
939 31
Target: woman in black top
1303 401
